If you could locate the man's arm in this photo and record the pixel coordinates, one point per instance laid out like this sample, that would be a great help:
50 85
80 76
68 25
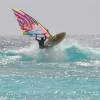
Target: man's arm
36 37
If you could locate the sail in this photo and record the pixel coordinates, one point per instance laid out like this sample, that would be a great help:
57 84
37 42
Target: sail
29 25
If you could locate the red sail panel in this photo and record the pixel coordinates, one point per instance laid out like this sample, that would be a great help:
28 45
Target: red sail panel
25 22
29 24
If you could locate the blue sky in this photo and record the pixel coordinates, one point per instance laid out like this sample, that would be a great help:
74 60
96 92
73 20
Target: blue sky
72 16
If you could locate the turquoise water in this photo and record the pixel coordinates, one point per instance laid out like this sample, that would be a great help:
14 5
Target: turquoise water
70 71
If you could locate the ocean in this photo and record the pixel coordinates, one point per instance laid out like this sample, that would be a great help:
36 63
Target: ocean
69 71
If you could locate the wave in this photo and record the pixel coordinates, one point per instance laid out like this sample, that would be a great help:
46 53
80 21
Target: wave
59 54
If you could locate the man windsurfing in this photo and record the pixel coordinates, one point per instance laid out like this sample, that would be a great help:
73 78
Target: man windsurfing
29 26
41 42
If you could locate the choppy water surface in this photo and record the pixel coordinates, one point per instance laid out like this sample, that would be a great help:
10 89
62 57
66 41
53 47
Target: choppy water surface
69 71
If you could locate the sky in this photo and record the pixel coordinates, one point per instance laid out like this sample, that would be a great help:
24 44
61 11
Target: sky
71 16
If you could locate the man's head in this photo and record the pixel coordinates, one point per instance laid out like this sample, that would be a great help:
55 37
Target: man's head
42 38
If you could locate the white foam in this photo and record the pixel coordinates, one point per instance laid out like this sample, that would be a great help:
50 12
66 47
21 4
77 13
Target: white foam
30 49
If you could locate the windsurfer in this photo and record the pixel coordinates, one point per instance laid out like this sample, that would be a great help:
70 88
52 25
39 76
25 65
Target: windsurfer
41 41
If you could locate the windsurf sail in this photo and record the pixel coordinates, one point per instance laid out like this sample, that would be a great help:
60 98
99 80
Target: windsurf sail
29 25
